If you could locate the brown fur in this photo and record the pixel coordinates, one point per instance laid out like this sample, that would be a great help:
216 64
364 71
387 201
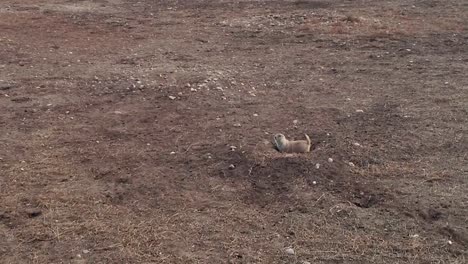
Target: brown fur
289 146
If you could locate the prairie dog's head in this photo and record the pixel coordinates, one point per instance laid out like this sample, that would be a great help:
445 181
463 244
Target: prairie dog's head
280 141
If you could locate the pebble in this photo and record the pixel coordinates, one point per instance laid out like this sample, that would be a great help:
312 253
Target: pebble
330 160
193 89
359 111
172 152
231 167
317 166
314 182
305 262
356 144
232 148
85 251
295 122
351 164
237 125
172 97
289 251
450 242
255 114
33 212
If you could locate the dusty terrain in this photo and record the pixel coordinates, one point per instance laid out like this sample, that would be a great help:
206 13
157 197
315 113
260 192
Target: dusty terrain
117 120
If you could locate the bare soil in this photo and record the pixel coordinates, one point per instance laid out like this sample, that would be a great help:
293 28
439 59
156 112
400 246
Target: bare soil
117 120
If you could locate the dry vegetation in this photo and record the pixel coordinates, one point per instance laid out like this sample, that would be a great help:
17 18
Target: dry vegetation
118 117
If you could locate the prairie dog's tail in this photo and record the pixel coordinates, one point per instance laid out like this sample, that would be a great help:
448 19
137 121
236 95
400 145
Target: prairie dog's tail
308 139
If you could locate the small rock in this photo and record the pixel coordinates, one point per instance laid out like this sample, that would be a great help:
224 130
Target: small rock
415 236
450 242
359 111
317 166
330 160
255 115
85 251
232 148
219 88
314 182
289 251
295 122
4 87
237 125
305 262
172 97
231 167
172 153
193 89
33 212
351 164
356 144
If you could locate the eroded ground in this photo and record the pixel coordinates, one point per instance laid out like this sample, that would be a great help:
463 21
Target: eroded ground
117 119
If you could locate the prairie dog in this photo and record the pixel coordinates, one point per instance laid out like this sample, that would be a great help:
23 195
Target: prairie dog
292 146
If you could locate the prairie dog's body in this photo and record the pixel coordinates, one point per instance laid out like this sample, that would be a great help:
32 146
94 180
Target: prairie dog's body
292 146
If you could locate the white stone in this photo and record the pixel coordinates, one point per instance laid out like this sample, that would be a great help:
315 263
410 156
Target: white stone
289 251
